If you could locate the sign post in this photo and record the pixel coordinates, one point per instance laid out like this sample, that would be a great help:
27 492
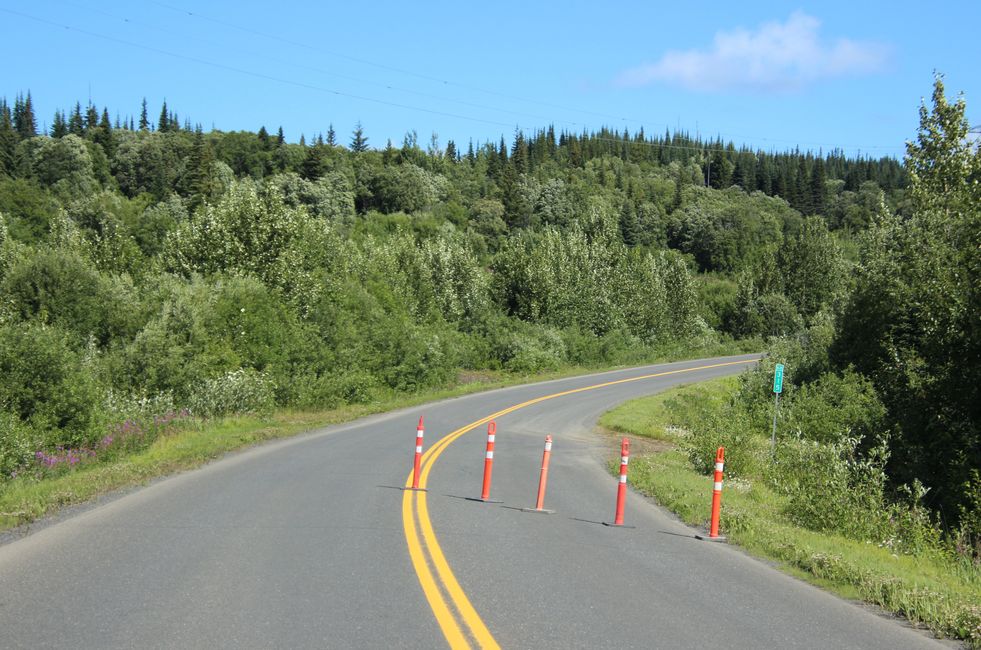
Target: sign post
777 389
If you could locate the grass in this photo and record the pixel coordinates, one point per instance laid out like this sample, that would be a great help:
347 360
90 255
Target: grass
27 498
934 589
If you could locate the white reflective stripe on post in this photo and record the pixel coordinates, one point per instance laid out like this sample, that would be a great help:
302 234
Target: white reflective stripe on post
623 478
490 438
548 446
418 449
718 467
624 459
490 454
718 486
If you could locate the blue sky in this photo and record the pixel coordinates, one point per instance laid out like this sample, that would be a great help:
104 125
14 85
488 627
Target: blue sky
774 76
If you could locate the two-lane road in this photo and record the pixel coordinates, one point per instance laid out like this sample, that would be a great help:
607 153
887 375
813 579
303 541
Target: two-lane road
310 542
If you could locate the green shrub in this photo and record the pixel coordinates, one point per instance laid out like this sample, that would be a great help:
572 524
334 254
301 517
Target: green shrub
746 451
45 383
18 442
832 487
835 407
532 350
238 392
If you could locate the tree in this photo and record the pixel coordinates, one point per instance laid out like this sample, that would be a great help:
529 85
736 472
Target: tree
163 122
144 119
818 190
76 124
24 120
313 163
59 127
8 140
359 143
911 324
331 135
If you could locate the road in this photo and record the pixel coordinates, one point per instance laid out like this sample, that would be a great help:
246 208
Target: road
312 543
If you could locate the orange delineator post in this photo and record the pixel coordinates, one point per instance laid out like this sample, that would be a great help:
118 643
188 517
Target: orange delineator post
720 457
543 479
622 488
420 431
488 461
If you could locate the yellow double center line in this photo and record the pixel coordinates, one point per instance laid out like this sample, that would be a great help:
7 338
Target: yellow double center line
461 625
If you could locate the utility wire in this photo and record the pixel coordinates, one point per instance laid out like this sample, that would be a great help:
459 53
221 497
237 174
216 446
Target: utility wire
447 82
384 66
250 73
330 73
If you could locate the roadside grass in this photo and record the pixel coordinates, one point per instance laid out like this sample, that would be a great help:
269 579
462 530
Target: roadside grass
934 589
30 496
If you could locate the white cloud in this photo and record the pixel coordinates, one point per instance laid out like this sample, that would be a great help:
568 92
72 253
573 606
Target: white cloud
777 57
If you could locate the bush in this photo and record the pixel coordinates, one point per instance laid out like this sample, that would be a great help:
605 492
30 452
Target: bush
238 392
746 451
18 442
46 384
532 349
835 407
832 487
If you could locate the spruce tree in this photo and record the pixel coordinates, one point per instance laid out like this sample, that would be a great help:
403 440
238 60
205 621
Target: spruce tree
280 139
629 227
163 123
144 120
519 153
76 124
8 139
263 136
451 153
359 142
818 190
91 117
313 164
331 135
24 122
59 127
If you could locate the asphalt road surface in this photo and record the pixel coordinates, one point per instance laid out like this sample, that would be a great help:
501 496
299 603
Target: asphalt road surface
312 543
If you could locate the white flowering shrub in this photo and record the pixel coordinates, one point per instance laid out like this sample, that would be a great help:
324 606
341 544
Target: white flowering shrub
238 392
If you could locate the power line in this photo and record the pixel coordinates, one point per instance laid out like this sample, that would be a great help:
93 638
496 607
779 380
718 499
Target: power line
384 66
250 73
448 82
330 73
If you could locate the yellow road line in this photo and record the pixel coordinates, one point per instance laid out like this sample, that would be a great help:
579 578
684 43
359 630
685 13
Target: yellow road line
448 622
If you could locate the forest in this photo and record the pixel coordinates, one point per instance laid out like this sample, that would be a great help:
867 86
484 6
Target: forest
152 271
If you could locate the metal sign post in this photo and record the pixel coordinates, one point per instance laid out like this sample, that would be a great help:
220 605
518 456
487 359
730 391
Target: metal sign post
777 389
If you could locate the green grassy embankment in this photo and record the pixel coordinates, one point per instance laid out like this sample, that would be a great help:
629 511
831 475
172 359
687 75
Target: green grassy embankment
935 589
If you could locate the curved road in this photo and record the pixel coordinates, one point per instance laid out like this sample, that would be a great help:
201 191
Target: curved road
312 543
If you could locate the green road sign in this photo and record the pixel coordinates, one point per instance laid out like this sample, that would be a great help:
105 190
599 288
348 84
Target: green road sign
778 379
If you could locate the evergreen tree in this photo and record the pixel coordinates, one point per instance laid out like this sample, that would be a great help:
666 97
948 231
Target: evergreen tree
8 139
359 143
818 191
313 164
331 135
76 125
263 136
144 120
451 153
24 122
104 134
163 123
629 226
91 117
519 153
59 127
280 139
